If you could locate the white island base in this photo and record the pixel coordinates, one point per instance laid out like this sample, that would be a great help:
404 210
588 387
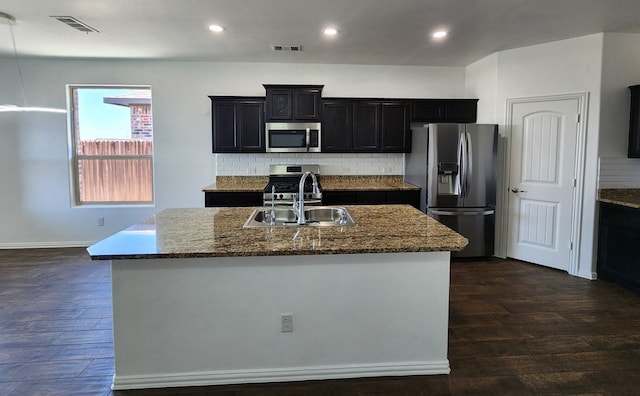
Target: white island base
209 321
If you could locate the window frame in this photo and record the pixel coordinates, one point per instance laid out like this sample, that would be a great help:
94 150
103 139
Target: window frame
74 158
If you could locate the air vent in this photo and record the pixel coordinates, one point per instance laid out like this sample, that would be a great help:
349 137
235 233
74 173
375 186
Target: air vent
76 24
286 47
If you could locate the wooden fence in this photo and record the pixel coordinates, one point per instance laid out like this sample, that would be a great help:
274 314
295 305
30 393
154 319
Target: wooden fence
121 178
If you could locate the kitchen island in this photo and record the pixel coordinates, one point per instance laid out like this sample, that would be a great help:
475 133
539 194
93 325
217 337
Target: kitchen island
200 300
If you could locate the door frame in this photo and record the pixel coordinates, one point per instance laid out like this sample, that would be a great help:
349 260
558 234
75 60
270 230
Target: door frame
579 165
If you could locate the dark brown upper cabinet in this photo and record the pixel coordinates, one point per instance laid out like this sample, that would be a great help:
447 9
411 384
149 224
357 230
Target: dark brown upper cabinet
444 110
353 125
366 126
337 124
634 123
395 127
381 126
237 124
293 102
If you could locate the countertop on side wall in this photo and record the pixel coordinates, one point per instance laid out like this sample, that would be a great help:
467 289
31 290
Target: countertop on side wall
621 196
365 183
219 232
238 184
328 182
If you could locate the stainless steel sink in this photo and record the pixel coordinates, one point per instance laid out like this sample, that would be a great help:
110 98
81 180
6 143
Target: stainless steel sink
317 216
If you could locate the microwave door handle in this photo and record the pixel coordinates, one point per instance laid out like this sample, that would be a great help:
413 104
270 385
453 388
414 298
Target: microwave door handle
308 135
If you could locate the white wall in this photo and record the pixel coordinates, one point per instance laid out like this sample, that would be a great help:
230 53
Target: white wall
35 203
620 69
561 67
482 82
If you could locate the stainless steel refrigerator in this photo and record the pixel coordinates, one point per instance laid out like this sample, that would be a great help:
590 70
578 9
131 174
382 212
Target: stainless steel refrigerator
455 165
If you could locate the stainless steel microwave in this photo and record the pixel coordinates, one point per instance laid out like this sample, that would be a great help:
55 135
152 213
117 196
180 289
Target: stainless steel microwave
293 137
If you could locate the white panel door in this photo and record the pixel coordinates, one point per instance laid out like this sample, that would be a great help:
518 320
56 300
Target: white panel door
541 185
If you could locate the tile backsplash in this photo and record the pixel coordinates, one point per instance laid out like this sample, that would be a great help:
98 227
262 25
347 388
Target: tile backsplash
619 173
330 164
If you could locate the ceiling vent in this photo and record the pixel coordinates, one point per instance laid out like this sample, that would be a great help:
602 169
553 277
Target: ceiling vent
76 24
286 47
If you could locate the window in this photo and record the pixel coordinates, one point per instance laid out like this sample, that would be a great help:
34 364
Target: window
111 135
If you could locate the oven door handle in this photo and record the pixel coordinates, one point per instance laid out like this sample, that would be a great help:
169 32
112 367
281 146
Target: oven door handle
308 139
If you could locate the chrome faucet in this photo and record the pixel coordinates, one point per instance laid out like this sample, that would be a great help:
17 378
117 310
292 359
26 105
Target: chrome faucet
272 214
300 205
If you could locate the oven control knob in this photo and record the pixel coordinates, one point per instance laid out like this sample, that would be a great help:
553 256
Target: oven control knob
281 196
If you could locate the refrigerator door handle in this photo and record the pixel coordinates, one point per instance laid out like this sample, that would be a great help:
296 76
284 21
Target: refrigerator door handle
468 163
464 164
461 213
461 166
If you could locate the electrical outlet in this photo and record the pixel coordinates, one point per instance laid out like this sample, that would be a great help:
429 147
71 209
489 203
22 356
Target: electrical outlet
287 323
100 221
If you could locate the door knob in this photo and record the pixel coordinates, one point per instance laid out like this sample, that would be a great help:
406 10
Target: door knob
516 190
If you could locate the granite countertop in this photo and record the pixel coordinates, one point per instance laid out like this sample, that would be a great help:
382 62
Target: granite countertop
622 196
328 182
219 232
365 183
238 184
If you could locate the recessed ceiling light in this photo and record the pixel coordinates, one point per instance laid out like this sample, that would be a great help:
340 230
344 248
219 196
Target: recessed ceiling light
440 34
216 28
330 31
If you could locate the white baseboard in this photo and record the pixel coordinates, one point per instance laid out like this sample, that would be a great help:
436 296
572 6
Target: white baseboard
41 245
279 375
589 275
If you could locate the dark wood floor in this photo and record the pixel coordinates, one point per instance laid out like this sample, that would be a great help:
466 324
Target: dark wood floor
515 328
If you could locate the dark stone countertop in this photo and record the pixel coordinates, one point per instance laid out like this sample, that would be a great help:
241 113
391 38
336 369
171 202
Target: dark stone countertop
219 232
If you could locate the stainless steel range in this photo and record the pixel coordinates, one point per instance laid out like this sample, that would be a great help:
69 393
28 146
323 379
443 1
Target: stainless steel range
284 182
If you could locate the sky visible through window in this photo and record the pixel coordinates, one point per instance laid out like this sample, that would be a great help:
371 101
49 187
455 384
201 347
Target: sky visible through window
100 120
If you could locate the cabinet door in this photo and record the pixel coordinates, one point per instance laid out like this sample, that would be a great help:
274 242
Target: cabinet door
336 126
634 123
395 131
251 126
225 137
366 127
279 104
372 197
306 104
232 199
427 110
293 102
409 197
339 197
237 124
461 110
618 236
444 110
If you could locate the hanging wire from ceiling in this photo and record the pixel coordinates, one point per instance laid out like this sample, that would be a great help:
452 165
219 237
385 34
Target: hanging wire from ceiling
11 21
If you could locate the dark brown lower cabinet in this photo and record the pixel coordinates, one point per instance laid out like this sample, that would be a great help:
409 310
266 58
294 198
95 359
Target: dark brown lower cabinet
235 199
618 251
347 197
377 197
